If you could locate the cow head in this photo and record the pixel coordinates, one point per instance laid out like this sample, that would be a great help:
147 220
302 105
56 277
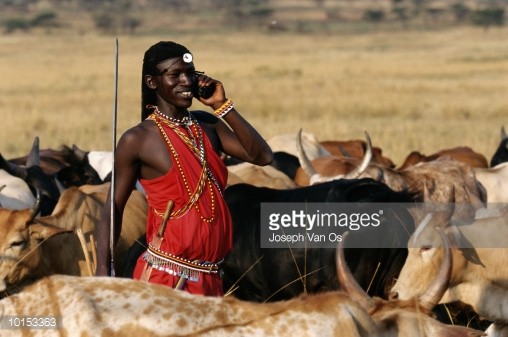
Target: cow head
412 317
20 251
428 248
315 177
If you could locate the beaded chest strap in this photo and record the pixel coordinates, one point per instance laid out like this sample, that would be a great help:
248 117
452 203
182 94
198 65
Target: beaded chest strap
196 145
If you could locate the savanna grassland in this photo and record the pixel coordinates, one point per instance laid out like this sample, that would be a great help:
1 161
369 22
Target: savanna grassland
420 90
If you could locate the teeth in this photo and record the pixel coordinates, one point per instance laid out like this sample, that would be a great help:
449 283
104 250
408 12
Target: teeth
187 94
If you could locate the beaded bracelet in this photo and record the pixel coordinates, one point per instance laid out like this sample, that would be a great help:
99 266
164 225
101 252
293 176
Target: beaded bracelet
224 108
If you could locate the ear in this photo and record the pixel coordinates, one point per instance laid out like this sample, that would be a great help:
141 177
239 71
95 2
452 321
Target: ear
454 236
41 232
150 82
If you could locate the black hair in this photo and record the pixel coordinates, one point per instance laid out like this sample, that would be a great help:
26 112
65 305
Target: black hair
157 53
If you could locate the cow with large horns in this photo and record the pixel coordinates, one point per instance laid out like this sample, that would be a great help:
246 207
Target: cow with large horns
102 306
66 165
479 275
261 274
430 179
35 177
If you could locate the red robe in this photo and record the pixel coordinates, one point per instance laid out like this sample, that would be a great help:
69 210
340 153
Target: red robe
189 236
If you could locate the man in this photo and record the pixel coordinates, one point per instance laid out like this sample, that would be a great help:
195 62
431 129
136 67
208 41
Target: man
175 154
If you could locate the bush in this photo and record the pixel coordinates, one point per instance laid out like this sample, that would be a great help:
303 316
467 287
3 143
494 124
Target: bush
374 15
104 22
130 24
45 19
14 24
460 11
488 17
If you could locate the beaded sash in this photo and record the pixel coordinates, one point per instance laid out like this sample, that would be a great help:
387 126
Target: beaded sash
178 266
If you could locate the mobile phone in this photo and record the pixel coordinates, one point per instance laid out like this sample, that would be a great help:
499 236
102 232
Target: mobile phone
205 92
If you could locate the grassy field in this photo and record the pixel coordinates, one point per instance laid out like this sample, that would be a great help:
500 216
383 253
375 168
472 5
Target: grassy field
412 90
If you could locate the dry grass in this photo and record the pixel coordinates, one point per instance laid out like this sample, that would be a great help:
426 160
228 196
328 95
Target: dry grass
410 90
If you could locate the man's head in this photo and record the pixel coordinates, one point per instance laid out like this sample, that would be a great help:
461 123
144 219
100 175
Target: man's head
155 55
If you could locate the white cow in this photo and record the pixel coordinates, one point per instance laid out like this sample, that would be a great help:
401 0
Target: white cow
262 176
103 306
101 161
16 194
287 143
480 256
495 182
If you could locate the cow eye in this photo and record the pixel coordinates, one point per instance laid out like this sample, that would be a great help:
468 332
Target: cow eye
19 243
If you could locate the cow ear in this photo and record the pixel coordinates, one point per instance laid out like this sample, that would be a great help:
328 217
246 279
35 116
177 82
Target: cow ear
40 232
454 236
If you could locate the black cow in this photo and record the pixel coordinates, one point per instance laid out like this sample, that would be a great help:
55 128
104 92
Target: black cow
65 166
501 154
286 163
38 181
282 161
274 271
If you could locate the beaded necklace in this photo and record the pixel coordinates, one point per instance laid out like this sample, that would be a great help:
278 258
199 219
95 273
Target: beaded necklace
186 120
195 142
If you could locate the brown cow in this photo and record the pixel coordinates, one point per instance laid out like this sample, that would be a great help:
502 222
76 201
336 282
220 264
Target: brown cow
103 306
463 154
431 179
30 247
356 149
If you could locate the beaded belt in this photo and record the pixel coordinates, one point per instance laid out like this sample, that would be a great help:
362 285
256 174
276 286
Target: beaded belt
178 266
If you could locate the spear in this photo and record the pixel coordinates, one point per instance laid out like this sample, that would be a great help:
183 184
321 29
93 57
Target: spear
112 199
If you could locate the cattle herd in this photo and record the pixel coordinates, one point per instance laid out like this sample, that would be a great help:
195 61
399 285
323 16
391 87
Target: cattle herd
445 273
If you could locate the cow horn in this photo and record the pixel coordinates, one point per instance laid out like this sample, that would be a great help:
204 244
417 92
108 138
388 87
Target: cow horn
305 162
367 157
13 169
37 205
34 158
1 188
347 282
438 287
80 154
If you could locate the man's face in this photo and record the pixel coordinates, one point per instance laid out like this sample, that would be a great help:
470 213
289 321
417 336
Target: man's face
174 82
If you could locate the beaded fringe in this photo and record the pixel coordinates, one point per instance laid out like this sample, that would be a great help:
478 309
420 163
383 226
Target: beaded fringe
171 268
187 269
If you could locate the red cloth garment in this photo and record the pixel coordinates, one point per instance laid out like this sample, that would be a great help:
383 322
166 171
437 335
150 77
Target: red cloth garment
203 232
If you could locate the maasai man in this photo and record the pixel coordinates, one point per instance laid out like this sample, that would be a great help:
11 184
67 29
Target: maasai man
176 156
